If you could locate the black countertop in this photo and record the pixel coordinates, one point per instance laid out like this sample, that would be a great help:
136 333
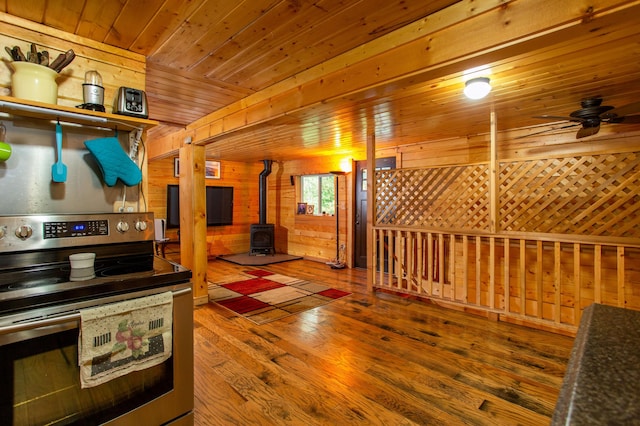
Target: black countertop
602 383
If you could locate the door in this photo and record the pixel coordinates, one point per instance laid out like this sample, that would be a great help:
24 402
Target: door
360 217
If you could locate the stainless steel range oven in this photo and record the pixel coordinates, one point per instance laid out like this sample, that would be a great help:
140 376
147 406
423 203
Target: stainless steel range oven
41 305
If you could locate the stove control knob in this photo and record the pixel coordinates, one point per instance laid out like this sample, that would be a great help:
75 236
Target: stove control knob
24 231
141 225
122 226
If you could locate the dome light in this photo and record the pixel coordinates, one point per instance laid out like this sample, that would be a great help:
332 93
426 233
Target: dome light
477 88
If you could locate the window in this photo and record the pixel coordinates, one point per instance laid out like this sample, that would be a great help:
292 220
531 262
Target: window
318 191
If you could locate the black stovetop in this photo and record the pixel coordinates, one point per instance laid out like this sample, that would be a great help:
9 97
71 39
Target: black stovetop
46 285
35 271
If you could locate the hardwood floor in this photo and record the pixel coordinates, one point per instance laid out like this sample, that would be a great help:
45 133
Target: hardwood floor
370 359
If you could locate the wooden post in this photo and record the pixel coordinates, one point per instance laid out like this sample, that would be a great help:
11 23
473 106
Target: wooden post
577 284
620 267
193 216
371 171
506 275
494 188
557 281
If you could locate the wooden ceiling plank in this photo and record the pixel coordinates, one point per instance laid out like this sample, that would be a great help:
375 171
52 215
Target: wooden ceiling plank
162 25
196 98
131 22
459 11
280 28
64 15
404 140
403 37
32 10
155 71
359 24
211 26
249 23
96 20
443 47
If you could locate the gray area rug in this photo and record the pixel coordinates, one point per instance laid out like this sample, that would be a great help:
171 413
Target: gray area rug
258 260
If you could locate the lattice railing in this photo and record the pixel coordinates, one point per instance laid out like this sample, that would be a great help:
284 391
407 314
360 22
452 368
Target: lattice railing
567 234
589 195
448 197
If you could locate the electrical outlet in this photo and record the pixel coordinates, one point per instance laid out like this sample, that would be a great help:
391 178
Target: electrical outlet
128 207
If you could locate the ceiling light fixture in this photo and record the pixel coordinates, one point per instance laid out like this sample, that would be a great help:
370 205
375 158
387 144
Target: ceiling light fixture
477 88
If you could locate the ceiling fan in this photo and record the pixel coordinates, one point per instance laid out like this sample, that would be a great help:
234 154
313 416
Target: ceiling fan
593 113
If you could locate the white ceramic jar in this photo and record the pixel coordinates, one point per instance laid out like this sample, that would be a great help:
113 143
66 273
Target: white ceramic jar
34 82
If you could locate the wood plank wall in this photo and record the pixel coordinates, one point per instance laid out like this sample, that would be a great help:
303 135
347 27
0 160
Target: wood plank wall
310 236
242 177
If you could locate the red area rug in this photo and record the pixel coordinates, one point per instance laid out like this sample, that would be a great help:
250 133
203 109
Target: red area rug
262 296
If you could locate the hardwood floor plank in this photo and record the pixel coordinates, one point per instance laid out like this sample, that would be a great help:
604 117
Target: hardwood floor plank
261 400
370 358
258 354
470 342
428 362
349 363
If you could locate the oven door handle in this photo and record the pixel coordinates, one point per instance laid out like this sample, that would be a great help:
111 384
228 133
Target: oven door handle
57 320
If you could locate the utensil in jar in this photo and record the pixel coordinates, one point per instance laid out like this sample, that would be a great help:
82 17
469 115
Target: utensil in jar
10 52
44 58
62 60
18 53
59 169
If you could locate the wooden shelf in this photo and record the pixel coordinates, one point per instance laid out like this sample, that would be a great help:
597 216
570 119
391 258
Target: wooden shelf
25 108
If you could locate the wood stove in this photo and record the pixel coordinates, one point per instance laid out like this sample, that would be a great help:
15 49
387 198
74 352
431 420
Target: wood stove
262 239
262 236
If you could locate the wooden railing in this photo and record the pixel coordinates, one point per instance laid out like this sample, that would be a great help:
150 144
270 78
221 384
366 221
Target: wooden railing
544 282
530 240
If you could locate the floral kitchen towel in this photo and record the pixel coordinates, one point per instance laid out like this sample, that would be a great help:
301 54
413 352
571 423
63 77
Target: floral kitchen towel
119 338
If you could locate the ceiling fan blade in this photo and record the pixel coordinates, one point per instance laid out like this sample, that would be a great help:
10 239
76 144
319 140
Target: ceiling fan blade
559 117
587 131
547 131
630 119
624 110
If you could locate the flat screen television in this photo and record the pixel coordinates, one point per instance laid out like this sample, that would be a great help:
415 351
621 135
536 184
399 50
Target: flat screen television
219 200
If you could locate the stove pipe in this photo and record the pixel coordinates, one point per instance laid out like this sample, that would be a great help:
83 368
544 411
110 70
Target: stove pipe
263 191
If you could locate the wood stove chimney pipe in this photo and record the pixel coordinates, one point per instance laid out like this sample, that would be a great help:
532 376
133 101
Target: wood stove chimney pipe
262 213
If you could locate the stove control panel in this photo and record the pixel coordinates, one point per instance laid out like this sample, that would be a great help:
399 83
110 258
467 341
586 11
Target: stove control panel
36 232
85 228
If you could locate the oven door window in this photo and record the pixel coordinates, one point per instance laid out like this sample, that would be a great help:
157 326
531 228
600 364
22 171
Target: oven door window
41 384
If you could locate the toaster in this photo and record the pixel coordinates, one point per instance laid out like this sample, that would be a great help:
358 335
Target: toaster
132 102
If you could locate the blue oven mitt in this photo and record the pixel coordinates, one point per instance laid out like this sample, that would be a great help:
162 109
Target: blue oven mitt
114 162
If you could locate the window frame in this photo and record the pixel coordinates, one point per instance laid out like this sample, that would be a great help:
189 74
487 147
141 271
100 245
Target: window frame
317 203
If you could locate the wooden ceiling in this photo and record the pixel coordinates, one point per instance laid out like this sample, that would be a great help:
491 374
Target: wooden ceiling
205 56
